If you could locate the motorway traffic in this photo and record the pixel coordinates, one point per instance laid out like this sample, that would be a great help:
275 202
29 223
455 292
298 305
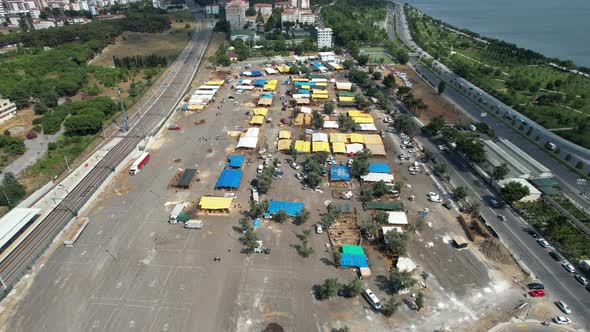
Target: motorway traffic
513 231
151 114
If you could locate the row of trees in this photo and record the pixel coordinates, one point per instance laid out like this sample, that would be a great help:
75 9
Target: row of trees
140 61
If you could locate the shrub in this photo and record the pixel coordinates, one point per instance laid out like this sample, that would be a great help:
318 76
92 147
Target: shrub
31 135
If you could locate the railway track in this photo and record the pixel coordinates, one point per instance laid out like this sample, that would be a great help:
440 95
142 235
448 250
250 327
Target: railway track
150 114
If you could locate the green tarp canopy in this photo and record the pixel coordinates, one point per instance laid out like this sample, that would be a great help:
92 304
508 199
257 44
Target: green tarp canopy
384 206
342 207
345 94
350 249
182 217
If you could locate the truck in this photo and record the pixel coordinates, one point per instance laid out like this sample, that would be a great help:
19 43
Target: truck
255 196
194 224
176 212
139 163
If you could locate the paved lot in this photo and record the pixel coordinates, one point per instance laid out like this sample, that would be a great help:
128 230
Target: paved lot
132 271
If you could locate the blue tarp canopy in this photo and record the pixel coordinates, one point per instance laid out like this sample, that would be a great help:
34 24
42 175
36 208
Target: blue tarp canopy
259 82
229 178
353 260
256 222
303 92
266 95
340 173
235 161
379 168
292 209
255 73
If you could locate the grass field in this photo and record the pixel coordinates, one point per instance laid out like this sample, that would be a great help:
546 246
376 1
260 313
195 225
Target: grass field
378 53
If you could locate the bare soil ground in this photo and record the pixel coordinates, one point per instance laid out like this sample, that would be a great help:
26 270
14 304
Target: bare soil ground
23 118
437 105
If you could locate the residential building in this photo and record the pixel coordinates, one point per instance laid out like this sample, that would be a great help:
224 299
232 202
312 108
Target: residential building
324 37
2 11
289 15
235 13
326 56
307 18
212 9
282 5
45 24
300 3
263 8
7 110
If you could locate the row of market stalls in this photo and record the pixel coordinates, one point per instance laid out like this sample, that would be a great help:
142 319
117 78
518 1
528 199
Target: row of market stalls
339 143
229 179
203 95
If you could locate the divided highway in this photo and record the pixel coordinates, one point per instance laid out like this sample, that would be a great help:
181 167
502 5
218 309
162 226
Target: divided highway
151 114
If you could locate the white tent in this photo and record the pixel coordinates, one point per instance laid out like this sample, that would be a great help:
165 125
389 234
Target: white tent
329 124
397 218
376 177
319 137
305 109
270 71
245 81
244 87
252 132
248 142
301 96
366 127
404 264
354 148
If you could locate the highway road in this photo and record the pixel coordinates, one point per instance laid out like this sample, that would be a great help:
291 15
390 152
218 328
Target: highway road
158 107
565 176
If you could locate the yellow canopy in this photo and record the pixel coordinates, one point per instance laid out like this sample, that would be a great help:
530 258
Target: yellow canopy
354 113
283 69
345 98
302 119
373 139
321 146
257 119
284 144
305 87
215 203
356 138
337 137
284 134
196 107
260 111
300 79
215 82
302 146
321 83
339 147
319 91
362 119
319 96
336 66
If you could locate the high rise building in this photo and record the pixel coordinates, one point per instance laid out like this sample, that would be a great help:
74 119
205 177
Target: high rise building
324 37
235 13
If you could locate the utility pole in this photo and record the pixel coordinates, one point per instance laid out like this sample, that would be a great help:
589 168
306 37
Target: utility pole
7 199
67 164
3 284
125 124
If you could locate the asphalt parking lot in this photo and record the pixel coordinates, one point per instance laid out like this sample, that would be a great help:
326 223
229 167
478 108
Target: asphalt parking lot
133 271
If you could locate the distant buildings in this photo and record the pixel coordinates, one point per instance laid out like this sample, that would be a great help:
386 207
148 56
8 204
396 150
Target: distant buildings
7 110
282 4
235 13
323 37
263 8
300 3
298 15
212 9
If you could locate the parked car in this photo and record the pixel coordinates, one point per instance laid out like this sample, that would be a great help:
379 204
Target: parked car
433 197
543 243
299 176
537 293
318 229
174 127
372 299
294 166
563 307
535 285
560 320
501 217
581 279
494 203
568 267
533 233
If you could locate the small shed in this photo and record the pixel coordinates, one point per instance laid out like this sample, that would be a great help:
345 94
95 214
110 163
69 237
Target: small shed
187 178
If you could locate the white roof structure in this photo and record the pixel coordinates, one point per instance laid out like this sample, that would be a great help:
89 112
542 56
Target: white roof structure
404 264
252 132
330 124
320 80
270 71
245 81
205 92
305 109
301 96
520 164
13 222
319 137
397 218
244 87
365 127
354 148
208 87
534 193
387 229
376 177
248 142
343 85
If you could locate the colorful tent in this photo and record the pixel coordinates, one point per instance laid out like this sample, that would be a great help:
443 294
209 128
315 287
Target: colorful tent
229 178
321 146
292 209
338 137
284 134
302 146
340 173
379 168
356 138
257 120
338 147
215 203
373 139
284 144
260 111
235 161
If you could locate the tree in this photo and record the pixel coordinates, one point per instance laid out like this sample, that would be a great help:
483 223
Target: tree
317 120
313 179
40 108
360 164
441 87
281 216
514 191
302 217
419 301
397 243
368 229
376 76
380 217
400 280
251 11
436 124
440 169
460 192
352 289
12 189
389 81
380 188
362 59
579 165
345 123
500 172
328 289
329 108
391 306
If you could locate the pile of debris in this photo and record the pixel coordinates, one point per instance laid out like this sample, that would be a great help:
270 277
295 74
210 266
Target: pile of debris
495 251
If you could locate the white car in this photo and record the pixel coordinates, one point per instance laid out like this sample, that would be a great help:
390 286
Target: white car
560 320
568 267
295 166
433 197
543 243
318 229
260 168
564 307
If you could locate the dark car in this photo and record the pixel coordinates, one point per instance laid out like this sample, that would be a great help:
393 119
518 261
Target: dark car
555 255
494 203
535 285
533 233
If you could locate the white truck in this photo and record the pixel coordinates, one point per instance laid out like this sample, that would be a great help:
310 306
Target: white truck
175 212
194 224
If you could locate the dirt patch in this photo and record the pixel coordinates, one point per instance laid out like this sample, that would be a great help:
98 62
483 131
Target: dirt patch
437 105
495 251
344 231
24 118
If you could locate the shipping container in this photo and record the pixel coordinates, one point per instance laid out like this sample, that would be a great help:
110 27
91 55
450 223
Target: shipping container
139 163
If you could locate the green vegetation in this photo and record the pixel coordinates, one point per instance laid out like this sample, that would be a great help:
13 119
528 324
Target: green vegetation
514 191
391 306
328 289
521 78
249 238
11 191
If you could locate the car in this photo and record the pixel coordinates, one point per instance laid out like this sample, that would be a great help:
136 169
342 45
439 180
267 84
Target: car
318 229
533 233
494 203
299 176
537 293
555 255
543 243
260 168
568 267
581 279
501 217
294 166
174 127
563 307
433 197
535 285
372 299
560 320
278 163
